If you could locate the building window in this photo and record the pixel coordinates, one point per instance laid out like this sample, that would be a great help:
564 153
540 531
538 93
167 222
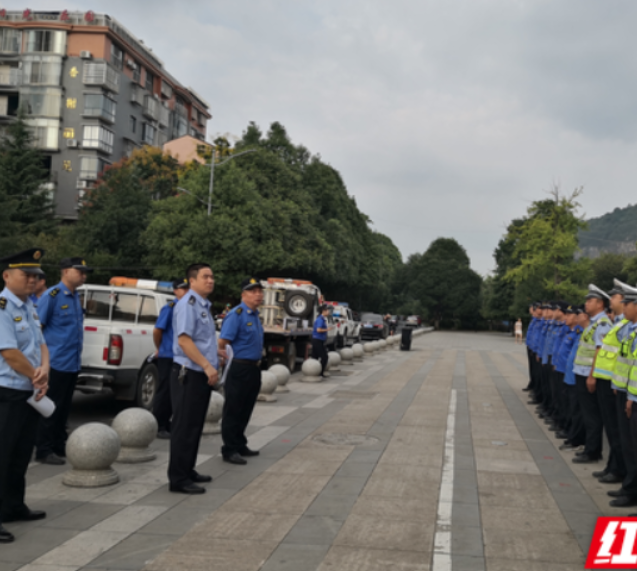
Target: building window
117 57
137 73
150 79
91 167
99 105
180 127
41 70
49 41
148 134
10 41
129 147
97 137
46 102
46 133
101 74
133 124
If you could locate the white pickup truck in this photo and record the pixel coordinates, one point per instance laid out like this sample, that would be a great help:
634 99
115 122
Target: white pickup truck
118 340
348 331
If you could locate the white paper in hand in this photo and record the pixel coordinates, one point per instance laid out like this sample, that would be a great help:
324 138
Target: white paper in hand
230 354
45 406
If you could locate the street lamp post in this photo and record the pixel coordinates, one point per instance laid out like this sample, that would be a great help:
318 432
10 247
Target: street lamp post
212 171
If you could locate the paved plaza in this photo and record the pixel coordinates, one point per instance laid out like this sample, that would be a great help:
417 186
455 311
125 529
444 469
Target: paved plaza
408 461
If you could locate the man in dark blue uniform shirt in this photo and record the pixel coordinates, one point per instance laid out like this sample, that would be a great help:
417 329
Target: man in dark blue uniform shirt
319 336
243 331
40 288
62 321
163 339
193 375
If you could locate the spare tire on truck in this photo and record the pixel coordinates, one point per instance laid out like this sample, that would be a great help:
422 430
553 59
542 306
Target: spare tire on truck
298 304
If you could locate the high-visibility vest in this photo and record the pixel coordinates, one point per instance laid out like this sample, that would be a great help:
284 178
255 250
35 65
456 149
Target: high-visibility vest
625 363
608 352
586 349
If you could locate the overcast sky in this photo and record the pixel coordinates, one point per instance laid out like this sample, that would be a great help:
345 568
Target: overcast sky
445 118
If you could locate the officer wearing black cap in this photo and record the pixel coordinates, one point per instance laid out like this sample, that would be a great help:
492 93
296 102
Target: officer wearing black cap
163 339
24 368
40 288
194 373
319 337
242 330
62 318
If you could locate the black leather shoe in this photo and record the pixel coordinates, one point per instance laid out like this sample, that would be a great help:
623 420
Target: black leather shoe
526 389
163 435
201 478
567 446
235 459
53 459
611 479
623 502
553 428
561 435
582 453
599 473
617 493
585 459
6 536
29 515
247 452
188 489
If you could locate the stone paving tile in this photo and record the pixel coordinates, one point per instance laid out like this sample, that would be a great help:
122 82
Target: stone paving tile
314 530
397 509
499 564
292 557
40 541
550 547
82 517
533 521
342 558
132 553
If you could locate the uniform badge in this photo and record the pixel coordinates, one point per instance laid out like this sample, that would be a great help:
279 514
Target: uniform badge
54 292
203 314
192 301
64 307
239 311
35 316
37 255
17 318
249 323
3 302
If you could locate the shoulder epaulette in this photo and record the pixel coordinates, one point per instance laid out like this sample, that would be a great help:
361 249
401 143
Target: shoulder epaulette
239 310
192 300
171 304
3 302
54 292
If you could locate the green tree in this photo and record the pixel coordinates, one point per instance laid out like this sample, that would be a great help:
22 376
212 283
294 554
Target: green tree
27 209
606 267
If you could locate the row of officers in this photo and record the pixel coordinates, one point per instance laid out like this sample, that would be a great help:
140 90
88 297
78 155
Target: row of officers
583 381
40 354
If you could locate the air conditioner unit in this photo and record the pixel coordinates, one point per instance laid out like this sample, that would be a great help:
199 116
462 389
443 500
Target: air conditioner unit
85 54
156 96
82 184
72 143
130 63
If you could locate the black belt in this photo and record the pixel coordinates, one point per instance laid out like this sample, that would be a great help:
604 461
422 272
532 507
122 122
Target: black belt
247 362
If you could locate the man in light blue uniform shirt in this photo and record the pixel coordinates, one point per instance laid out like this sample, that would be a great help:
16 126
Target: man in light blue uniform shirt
62 318
24 368
193 375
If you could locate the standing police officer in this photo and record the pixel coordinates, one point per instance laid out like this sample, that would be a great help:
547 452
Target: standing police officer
319 336
62 319
163 339
194 373
24 366
243 331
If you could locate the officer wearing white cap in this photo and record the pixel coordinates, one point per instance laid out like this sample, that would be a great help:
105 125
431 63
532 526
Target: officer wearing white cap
62 318
243 331
24 367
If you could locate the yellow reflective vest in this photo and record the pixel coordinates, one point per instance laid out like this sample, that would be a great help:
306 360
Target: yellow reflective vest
608 352
625 362
586 349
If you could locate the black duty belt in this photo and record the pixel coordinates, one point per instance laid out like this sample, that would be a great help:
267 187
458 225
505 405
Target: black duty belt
247 362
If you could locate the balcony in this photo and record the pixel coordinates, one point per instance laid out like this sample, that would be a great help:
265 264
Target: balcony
10 77
150 109
101 74
164 116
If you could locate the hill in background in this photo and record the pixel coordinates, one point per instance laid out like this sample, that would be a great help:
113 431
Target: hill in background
614 232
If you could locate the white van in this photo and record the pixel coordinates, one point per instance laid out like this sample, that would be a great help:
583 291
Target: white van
118 341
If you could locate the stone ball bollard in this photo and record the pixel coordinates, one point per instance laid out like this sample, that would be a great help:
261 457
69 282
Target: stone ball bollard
136 428
311 370
347 355
333 361
382 344
91 450
359 351
368 348
214 414
282 374
269 383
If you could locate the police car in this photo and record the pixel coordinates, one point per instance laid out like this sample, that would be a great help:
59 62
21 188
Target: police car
348 331
118 338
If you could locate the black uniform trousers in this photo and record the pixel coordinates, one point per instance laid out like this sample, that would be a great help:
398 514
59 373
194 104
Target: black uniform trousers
633 429
190 400
557 385
537 378
531 357
608 409
18 427
162 405
242 387
547 397
592 417
319 352
629 485
52 433
576 429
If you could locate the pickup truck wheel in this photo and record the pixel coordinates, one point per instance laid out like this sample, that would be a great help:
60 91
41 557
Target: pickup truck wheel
147 387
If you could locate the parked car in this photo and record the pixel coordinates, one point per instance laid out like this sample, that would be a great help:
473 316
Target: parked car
373 326
347 328
412 321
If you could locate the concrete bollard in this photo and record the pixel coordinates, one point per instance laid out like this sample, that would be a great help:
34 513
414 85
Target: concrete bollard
282 374
269 383
369 349
311 370
359 351
214 414
136 428
333 361
91 450
382 345
347 355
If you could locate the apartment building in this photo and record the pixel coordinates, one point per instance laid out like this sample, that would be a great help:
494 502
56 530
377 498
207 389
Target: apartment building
92 93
